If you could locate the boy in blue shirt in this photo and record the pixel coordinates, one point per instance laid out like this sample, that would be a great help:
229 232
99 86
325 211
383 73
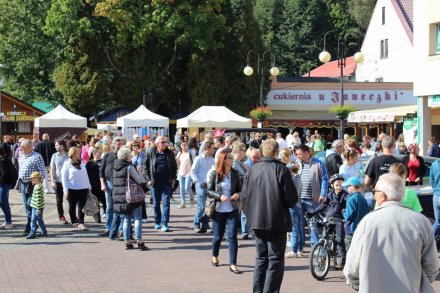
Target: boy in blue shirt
356 208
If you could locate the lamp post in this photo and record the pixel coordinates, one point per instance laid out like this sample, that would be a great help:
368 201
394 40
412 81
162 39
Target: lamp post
261 65
15 123
1 114
325 57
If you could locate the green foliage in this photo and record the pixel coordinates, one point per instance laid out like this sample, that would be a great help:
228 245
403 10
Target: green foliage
361 12
342 112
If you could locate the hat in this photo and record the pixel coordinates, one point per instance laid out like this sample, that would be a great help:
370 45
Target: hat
117 138
35 175
352 181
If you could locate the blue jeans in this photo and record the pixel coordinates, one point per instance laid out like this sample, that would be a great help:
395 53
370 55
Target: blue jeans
26 197
137 216
164 193
244 227
219 223
200 217
297 239
109 205
4 202
308 205
185 186
436 225
37 218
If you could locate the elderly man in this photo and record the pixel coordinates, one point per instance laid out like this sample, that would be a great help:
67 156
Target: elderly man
266 206
393 248
254 156
161 174
30 161
334 160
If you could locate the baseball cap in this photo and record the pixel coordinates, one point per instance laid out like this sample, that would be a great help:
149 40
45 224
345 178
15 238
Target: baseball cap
352 181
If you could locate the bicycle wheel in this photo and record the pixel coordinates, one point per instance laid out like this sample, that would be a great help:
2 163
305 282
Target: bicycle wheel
319 261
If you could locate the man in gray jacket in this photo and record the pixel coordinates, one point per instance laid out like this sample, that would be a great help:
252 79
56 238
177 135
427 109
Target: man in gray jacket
393 248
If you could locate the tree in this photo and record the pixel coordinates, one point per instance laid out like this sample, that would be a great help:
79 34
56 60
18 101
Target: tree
26 52
361 11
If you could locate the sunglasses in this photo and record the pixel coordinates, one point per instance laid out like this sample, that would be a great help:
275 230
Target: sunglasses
162 142
136 146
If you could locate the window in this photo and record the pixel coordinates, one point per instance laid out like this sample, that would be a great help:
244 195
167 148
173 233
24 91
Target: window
384 49
383 15
437 38
24 127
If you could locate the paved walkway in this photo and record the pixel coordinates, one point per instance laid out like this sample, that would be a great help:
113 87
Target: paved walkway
74 261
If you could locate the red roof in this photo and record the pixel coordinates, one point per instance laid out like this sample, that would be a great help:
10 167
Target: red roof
331 69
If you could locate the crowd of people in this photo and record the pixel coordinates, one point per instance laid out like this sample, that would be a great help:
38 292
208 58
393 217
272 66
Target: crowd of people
266 186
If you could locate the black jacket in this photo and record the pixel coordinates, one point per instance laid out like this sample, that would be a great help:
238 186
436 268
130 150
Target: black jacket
150 163
332 163
106 168
8 173
46 149
92 168
214 181
120 204
421 171
334 203
268 193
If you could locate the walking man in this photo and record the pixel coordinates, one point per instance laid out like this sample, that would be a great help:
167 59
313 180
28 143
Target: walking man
161 173
46 149
56 164
268 193
30 161
199 172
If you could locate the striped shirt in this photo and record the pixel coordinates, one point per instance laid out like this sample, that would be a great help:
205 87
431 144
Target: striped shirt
31 163
37 201
306 191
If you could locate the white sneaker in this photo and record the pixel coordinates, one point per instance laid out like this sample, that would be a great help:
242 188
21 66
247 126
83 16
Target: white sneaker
288 244
290 255
82 227
144 221
6 226
181 206
299 254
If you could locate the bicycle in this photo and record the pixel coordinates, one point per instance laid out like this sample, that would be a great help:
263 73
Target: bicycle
324 250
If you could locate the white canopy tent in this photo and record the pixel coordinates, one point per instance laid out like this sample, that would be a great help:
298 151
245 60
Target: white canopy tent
60 117
142 117
214 116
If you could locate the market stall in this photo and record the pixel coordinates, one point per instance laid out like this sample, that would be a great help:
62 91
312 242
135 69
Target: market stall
60 121
143 122
214 117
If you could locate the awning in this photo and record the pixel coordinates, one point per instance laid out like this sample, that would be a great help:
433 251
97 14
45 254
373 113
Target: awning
382 115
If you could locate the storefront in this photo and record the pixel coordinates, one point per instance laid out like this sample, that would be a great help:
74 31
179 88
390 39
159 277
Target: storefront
17 117
305 101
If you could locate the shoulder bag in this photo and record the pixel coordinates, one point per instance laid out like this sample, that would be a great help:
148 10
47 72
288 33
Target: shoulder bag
210 202
134 192
91 207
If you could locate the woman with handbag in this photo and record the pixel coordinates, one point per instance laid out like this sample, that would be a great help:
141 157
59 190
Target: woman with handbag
127 197
224 186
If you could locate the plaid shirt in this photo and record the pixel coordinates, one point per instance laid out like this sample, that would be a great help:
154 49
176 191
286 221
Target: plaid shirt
30 163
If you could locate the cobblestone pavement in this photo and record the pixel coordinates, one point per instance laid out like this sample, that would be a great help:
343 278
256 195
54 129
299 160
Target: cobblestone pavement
179 261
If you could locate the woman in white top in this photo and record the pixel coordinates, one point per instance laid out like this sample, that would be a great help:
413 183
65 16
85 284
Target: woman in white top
184 162
349 169
76 186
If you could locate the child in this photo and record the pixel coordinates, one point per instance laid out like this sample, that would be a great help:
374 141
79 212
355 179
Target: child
357 208
410 200
37 205
335 203
297 238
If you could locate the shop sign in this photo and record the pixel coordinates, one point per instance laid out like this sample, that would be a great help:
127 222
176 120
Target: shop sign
434 101
324 99
18 116
370 117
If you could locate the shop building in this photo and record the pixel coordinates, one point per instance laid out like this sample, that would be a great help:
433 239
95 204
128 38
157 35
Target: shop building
17 117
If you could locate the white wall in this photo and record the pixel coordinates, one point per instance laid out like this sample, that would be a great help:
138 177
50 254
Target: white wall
426 78
399 66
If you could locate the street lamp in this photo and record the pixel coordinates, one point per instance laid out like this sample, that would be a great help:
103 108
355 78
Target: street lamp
248 71
15 123
325 57
1 114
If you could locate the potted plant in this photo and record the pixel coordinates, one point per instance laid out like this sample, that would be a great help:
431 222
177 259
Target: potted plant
342 111
260 113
